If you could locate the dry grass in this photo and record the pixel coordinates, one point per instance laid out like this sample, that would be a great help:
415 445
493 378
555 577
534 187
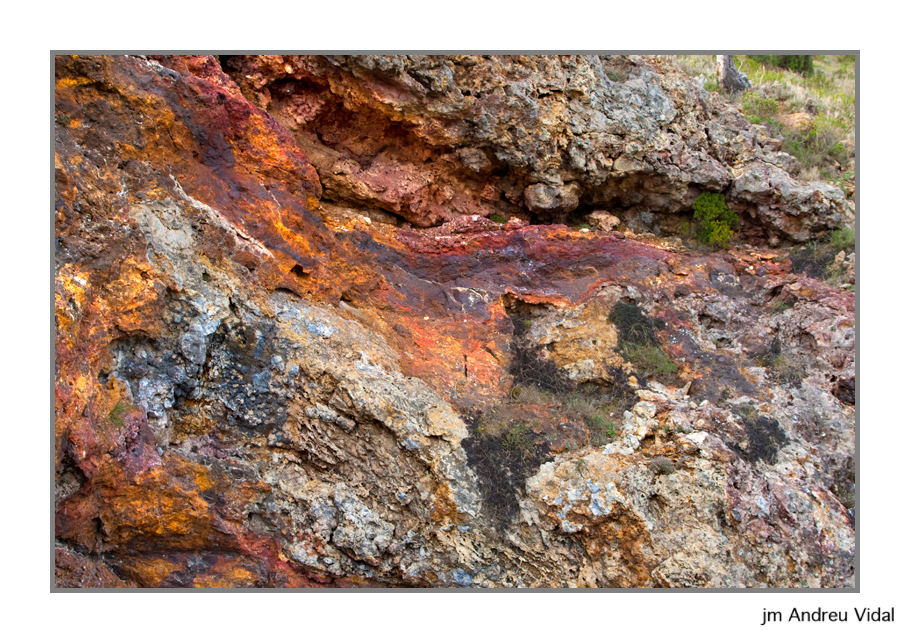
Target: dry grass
512 422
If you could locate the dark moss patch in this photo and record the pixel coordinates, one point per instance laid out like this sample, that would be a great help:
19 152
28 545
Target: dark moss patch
765 437
814 260
528 367
502 464
633 326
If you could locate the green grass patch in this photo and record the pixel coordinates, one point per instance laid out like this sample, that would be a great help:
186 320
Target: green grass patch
650 361
639 342
517 437
843 239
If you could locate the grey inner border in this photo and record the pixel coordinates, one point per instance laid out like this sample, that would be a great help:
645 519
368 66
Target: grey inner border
544 52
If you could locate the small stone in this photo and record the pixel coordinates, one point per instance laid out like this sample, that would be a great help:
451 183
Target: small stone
192 345
461 577
603 220
552 199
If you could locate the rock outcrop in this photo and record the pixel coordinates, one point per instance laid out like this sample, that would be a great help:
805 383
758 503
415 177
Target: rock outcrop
510 134
319 322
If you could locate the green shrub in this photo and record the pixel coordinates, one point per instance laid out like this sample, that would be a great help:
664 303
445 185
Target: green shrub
714 219
758 109
800 64
498 218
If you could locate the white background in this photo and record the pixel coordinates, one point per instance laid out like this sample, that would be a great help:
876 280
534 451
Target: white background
33 613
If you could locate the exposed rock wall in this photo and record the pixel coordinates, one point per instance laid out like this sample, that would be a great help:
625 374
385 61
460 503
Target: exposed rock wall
284 316
517 134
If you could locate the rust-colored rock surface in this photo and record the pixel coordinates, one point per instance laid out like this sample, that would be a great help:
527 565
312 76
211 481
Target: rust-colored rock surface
320 321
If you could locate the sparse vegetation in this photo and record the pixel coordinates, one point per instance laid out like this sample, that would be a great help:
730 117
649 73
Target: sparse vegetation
116 415
817 259
661 465
843 239
528 367
782 303
758 109
517 437
581 467
64 119
498 218
599 423
786 365
604 436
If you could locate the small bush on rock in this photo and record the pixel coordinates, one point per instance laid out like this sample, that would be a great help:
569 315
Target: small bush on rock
758 109
714 219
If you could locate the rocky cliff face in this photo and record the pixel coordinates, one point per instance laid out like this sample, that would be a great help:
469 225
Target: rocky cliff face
319 322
